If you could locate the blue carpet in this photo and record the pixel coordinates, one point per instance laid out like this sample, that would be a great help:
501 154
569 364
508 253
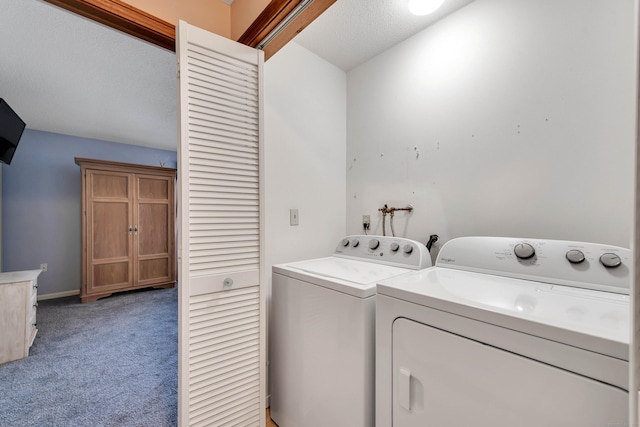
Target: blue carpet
112 362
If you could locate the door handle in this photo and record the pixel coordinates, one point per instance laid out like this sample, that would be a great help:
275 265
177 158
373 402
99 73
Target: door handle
404 389
135 230
130 229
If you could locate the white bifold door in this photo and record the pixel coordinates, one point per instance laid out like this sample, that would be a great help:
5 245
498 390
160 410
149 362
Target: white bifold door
221 315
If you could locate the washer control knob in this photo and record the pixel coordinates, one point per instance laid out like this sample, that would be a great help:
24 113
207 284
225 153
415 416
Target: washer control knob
524 250
395 247
610 260
575 256
345 242
374 243
407 249
355 243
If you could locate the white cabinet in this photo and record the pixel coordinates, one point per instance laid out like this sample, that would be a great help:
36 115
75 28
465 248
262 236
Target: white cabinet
18 304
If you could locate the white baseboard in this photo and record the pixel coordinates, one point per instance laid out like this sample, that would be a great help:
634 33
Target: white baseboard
58 295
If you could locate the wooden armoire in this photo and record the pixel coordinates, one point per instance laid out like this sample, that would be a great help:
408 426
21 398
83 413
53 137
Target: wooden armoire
128 227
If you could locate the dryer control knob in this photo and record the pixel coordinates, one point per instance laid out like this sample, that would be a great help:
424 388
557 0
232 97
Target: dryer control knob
407 249
355 243
374 243
395 247
610 260
524 250
575 256
345 242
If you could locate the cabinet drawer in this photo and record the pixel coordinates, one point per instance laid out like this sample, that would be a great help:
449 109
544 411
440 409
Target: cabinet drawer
32 318
31 327
33 307
33 303
34 288
34 299
18 313
32 336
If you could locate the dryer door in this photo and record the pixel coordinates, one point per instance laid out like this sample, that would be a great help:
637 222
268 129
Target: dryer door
441 379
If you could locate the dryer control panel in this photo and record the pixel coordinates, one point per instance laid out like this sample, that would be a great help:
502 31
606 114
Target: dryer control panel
578 264
396 251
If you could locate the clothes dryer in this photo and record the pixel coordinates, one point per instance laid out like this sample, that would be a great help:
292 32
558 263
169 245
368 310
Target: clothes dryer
506 332
322 337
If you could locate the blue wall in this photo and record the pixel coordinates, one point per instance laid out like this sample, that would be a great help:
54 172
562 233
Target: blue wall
41 202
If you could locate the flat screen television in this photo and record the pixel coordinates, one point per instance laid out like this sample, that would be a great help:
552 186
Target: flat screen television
11 128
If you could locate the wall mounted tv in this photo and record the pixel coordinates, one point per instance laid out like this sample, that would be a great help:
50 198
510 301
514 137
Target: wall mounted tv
11 128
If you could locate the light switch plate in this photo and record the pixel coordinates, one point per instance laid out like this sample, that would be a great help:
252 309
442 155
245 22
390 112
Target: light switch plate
293 217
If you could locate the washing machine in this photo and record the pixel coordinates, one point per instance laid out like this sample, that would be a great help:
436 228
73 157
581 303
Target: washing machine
506 332
322 336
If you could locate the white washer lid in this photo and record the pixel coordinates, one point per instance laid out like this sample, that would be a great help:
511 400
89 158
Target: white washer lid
357 278
592 320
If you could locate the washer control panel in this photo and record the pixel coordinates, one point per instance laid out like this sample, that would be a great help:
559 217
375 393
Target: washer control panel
585 265
396 251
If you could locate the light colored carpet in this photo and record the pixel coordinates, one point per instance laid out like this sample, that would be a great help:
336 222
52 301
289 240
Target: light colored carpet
108 363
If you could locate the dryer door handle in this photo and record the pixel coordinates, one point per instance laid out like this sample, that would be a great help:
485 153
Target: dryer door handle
404 388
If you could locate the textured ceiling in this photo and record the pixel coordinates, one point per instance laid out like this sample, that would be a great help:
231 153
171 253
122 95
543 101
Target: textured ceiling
66 74
353 31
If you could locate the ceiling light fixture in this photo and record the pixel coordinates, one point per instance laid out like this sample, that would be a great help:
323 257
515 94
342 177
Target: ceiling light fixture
424 7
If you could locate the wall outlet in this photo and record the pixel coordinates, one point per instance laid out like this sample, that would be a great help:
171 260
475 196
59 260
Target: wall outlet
294 218
43 267
366 222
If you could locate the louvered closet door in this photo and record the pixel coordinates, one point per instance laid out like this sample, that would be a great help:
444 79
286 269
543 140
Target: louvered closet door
220 227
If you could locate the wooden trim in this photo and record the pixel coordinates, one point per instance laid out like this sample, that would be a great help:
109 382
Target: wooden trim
270 17
58 295
124 17
315 9
119 166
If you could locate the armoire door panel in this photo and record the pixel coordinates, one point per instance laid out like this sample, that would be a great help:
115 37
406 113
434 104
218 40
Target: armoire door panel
110 229
109 185
155 222
109 213
154 269
151 218
152 188
112 275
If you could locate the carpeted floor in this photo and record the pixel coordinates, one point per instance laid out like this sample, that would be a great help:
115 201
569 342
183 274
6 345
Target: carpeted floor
108 363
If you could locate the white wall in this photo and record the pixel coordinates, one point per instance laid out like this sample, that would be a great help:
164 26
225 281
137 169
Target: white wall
305 147
305 143
507 118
